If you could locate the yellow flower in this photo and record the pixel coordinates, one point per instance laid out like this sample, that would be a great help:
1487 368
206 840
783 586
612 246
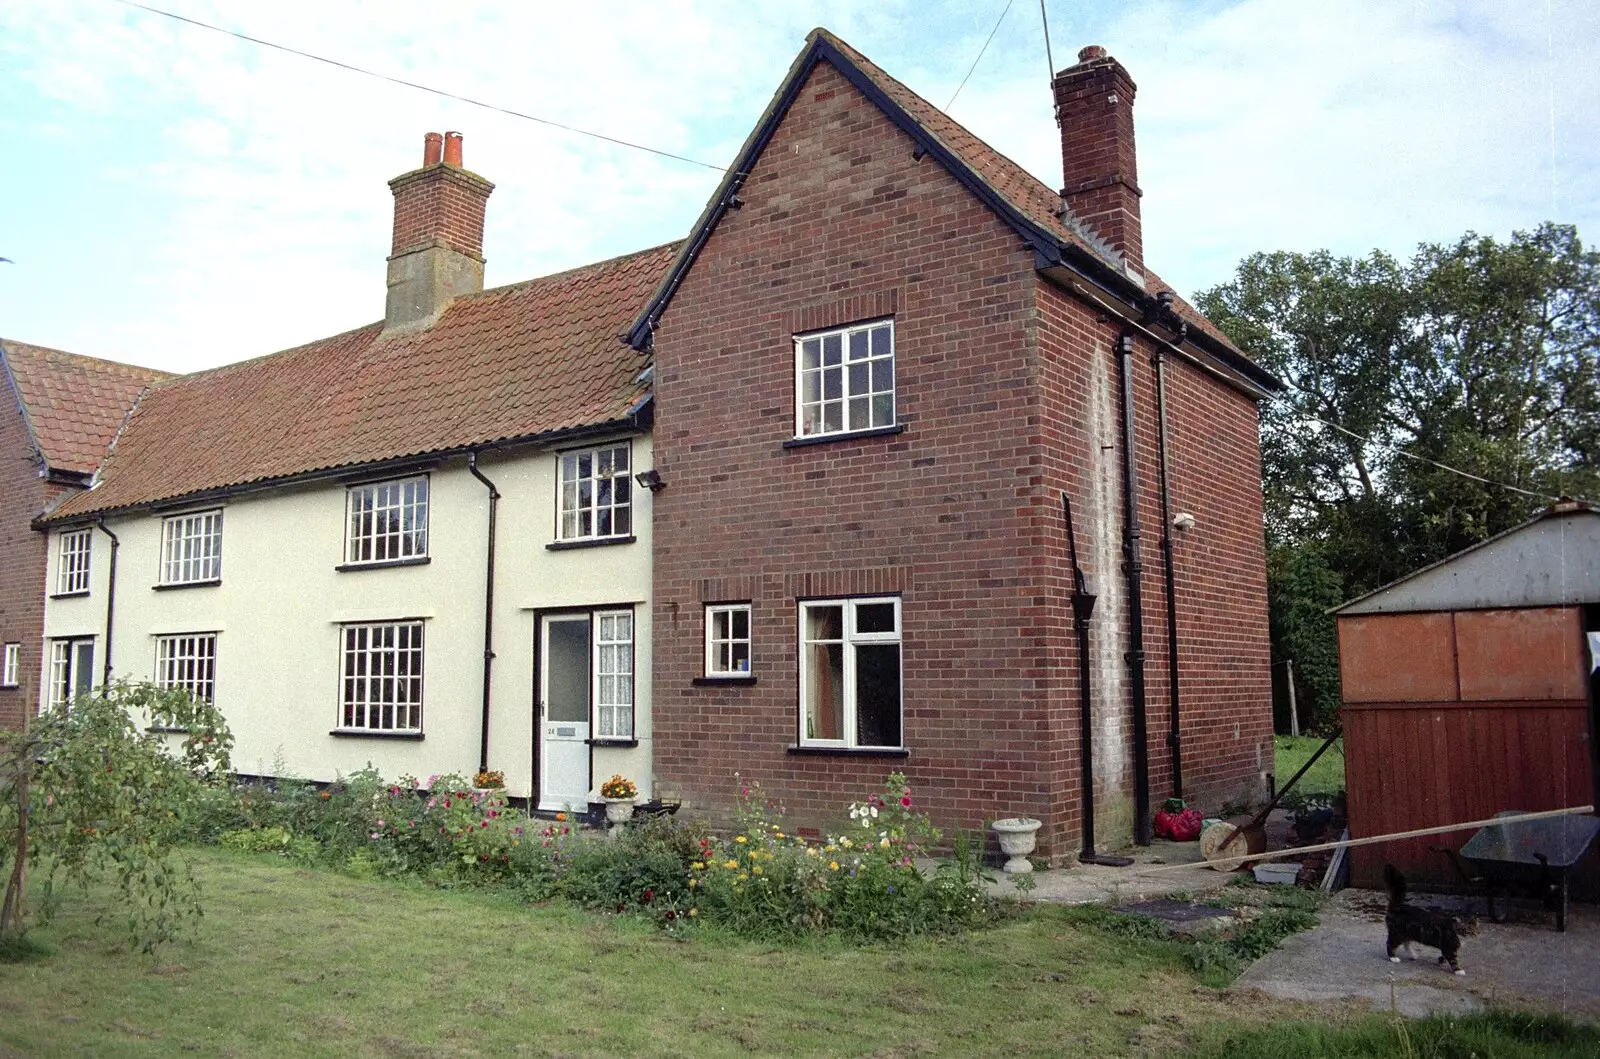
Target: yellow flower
845 842
756 870
778 834
829 848
731 864
693 883
740 840
883 843
811 851
697 866
833 865
742 877
694 912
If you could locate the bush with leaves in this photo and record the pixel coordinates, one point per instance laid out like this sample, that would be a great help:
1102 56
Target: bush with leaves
86 793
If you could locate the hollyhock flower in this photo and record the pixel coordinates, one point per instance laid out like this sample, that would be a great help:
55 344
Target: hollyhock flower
905 800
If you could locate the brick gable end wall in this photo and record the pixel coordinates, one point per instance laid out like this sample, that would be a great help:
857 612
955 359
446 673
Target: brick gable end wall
22 561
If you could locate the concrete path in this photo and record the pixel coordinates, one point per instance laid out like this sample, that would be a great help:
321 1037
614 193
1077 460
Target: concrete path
1520 963
1163 868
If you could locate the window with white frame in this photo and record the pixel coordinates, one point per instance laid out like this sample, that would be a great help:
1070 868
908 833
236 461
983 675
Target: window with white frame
844 380
72 563
11 666
188 663
71 670
728 640
596 493
387 521
191 548
381 690
850 673
613 673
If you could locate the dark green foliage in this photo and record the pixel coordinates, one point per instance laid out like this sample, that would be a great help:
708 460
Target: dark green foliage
1481 355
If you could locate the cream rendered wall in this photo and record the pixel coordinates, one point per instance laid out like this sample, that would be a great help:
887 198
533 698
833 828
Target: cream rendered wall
278 610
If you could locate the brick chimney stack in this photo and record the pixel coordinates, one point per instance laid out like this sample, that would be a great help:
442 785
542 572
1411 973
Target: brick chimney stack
437 253
1094 107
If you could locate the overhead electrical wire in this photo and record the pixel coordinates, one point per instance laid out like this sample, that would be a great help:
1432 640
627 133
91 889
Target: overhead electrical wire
419 87
979 59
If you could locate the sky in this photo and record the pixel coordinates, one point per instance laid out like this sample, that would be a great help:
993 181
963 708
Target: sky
177 198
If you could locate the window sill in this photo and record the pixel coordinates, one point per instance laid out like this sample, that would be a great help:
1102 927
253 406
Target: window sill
850 751
843 435
613 742
9 687
69 595
595 542
730 681
212 583
166 729
385 564
359 733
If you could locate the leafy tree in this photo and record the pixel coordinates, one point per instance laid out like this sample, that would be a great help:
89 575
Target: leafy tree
85 793
1480 355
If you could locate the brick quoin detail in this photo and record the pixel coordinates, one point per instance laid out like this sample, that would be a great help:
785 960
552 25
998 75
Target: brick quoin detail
959 514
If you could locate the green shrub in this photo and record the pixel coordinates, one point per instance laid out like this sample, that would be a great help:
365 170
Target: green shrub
279 840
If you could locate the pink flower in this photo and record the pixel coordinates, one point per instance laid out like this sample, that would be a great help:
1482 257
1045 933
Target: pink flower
483 823
905 800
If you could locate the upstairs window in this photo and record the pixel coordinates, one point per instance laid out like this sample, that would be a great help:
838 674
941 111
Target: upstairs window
844 380
388 521
72 564
596 494
191 548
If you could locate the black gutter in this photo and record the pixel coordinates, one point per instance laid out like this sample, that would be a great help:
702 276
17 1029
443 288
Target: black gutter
639 419
488 610
111 597
1082 608
1174 737
1134 570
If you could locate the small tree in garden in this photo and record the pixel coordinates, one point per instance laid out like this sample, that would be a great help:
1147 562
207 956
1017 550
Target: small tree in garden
85 793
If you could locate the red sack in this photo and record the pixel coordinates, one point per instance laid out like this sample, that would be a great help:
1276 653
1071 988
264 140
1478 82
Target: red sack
1186 826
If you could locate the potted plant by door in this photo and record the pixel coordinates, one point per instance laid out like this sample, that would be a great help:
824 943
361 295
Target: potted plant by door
619 793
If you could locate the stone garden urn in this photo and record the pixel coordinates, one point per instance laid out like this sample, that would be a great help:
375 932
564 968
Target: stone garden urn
619 810
1016 842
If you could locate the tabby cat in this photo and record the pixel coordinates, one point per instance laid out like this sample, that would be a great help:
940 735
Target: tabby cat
1409 925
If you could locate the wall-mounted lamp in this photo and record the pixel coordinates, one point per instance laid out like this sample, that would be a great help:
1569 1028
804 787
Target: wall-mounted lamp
1183 521
650 480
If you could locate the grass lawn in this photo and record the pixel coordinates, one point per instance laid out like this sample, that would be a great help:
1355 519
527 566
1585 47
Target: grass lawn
296 962
1293 751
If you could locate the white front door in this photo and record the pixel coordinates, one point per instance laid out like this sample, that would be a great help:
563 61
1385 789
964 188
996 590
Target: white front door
564 653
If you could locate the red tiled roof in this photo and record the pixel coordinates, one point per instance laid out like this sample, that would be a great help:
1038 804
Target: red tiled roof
528 359
1034 199
74 405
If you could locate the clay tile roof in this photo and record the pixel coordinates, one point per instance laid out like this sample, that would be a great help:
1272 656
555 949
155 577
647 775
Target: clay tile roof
74 405
516 362
1037 201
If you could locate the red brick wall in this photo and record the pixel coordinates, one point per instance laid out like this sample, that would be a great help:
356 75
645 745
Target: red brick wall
959 514
22 559
442 202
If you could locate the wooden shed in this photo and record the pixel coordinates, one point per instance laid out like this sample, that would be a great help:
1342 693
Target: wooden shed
1469 689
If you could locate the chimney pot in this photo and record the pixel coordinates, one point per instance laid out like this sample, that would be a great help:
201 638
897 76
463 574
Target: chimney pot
452 149
437 252
432 149
1093 51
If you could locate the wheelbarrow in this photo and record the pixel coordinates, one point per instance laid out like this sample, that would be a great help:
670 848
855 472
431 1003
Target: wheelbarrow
1529 856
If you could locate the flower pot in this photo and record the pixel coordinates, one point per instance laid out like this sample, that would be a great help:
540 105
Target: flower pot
619 810
1016 842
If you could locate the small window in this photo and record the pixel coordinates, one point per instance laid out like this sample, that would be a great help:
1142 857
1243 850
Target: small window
613 674
188 663
850 673
72 564
844 380
71 670
382 686
191 548
388 521
728 640
596 495
10 667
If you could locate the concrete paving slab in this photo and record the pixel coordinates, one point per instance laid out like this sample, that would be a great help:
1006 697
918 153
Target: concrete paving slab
1521 963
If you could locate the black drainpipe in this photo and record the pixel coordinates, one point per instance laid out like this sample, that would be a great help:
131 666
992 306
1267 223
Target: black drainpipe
111 598
488 610
1174 739
1134 569
1082 608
